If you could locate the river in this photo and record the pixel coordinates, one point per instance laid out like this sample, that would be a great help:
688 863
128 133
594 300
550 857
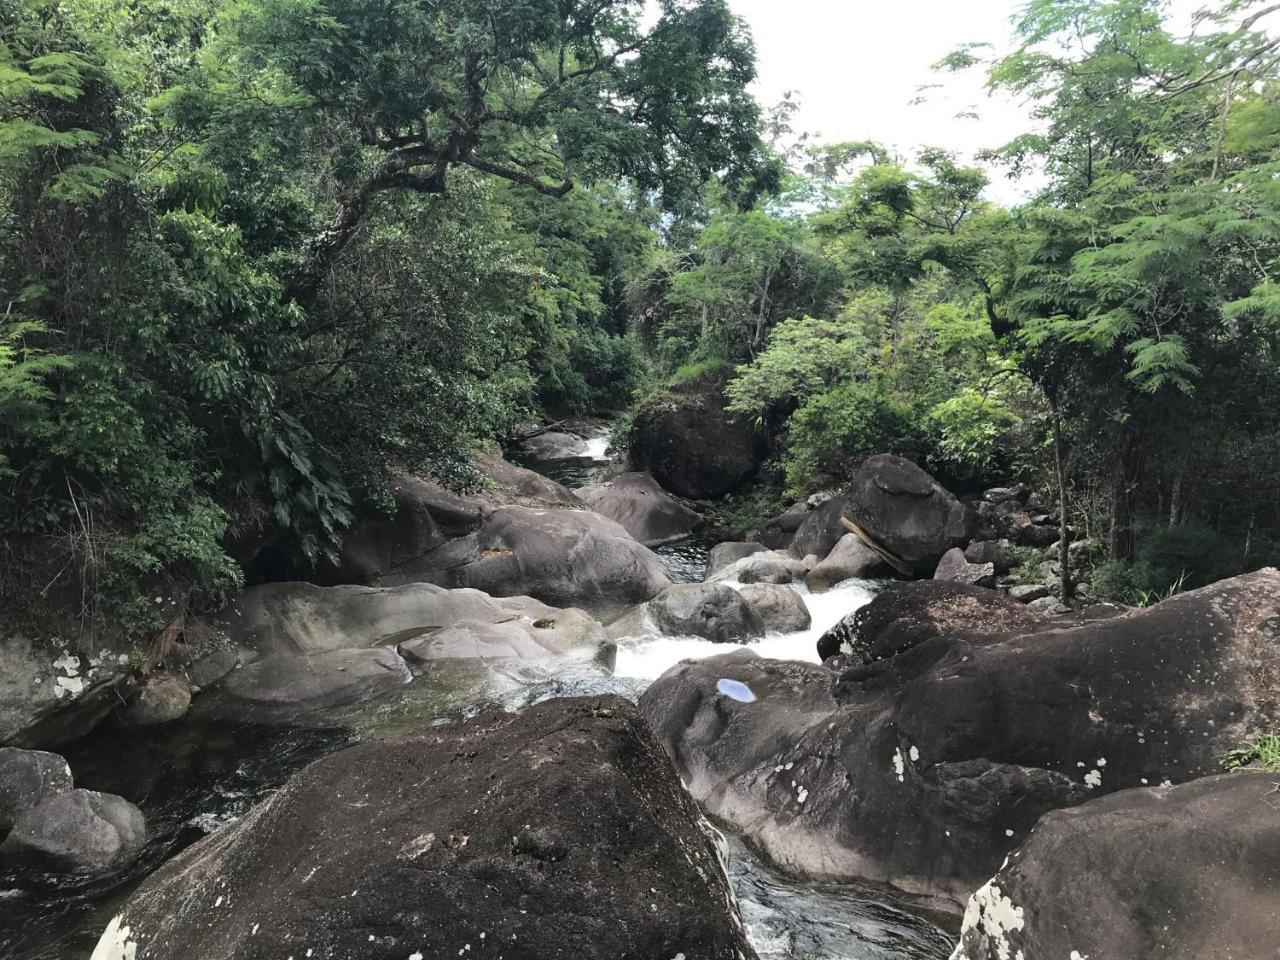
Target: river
193 777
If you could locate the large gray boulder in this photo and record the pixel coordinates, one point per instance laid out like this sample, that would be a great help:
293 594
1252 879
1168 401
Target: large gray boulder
780 608
564 557
424 515
517 638
560 832
906 511
1180 873
712 611
77 831
955 567
769 566
821 529
849 558
301 618
723 555
51 694
285 686
550 445
28 777
642 508
925 768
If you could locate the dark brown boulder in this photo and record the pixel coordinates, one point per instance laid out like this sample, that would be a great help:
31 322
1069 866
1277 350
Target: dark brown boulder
908 512
777 532
559 833
906 614
926 768
1182 873
161 698
690 445
821 529
994 552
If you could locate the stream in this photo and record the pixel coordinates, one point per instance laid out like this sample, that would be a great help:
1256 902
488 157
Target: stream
194 777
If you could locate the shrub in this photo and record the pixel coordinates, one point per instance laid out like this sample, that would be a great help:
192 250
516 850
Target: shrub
1259 752
833 431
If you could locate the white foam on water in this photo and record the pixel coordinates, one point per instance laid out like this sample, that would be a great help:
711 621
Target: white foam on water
597 447
648 657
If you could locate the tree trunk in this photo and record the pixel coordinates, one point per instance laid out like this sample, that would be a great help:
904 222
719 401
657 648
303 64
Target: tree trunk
1175 493
1121 547
1064 546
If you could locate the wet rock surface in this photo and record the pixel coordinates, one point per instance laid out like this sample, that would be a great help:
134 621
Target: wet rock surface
284 686
925 768
723 555
1184 872
712 611
560 833
769 566
904 615
301 618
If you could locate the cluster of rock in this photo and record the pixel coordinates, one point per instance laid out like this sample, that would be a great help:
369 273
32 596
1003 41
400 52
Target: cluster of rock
955 738
49 825
508 572
956 719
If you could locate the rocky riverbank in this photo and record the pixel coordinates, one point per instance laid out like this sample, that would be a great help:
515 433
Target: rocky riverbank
911 735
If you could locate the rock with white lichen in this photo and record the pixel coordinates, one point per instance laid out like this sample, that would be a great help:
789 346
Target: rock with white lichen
925 764
559 833
1183 873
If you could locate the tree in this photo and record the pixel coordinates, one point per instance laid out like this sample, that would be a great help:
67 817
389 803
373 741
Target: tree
543 94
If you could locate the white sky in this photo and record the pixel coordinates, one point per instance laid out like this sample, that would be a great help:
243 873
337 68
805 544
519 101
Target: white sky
857 64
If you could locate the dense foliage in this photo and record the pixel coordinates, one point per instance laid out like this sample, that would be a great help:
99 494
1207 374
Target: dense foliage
256 257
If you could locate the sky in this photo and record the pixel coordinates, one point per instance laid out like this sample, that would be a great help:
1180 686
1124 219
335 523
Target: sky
856 66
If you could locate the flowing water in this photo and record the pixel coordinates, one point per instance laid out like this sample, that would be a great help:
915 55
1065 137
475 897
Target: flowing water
196 776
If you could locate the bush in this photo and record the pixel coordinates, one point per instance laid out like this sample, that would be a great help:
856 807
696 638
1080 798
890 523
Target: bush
833 431
596 373
697 369
1168 560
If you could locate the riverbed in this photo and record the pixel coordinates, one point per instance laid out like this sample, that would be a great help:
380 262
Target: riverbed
196 776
